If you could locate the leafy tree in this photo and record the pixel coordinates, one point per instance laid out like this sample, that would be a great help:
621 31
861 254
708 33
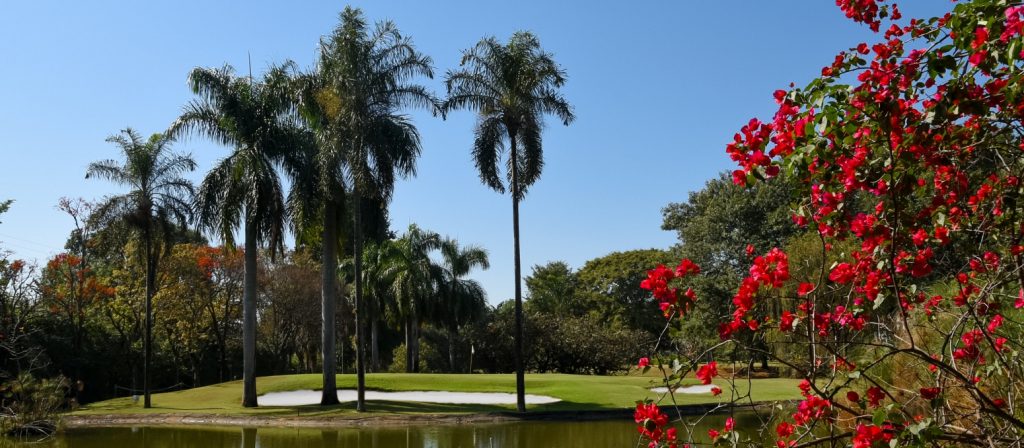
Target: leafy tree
462 300
290 322
243 189
5 206
158 198
608 287
511 87
414 278
353 102
715 226
551 289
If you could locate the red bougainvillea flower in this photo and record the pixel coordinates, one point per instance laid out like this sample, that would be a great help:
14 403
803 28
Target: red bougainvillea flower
804 289
687 267
708 371
713 433
867 435
716 391
784 429
786 320
650 421
853 396
644 362
1020 300
729 424
875 396
929 393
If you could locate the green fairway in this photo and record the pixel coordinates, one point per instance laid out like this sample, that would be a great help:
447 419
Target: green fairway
577 392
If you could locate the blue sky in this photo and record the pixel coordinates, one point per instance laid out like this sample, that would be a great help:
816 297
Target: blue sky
658 88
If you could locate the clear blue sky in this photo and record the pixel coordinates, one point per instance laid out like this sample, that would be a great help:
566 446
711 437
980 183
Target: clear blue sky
659 88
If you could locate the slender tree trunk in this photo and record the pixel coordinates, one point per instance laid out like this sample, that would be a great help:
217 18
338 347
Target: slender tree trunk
249 319
520 371
451 350
415 343
374 346
357 243
329 279
408 345
148 333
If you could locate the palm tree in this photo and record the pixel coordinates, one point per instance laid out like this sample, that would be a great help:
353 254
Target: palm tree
414 278
158 198
243 188
377 300
511 87
464 300
353 103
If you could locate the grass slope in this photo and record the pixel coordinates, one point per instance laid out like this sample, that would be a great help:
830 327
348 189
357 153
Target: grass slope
577 392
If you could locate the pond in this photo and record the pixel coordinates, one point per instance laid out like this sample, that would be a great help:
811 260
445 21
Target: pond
613 433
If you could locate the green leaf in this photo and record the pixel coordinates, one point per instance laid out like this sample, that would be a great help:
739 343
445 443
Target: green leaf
879 418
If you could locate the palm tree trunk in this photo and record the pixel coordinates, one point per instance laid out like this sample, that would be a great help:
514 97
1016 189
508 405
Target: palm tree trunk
357 241
408 344
328 276
451 350
415 343
374 346
249 319
520 372
148 342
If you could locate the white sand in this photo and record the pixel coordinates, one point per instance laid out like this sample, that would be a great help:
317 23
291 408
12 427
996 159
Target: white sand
698 389
305 397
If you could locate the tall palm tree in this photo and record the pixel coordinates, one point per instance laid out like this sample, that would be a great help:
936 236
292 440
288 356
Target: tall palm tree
463 300
353 103
158 199
414 279
243 189
511 87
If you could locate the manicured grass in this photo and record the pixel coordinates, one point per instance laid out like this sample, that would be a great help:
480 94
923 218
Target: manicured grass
577 392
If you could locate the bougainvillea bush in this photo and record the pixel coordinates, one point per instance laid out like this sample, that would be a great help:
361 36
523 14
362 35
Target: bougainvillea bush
905 325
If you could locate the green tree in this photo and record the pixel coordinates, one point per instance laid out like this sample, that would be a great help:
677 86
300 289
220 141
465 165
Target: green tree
414 278
551 288
715 225
511 87
243 188
463 300
158 199
609 287
353 102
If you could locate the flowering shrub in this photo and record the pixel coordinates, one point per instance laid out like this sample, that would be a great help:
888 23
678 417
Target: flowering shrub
907 156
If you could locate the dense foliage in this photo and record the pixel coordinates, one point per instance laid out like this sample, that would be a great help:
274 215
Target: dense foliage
905 161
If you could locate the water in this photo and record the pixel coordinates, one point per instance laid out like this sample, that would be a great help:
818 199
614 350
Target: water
613 433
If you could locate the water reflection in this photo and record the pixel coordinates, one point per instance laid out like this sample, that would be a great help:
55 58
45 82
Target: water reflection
498 435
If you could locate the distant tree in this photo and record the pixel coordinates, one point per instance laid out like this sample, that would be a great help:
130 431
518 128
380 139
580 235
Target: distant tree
243 189
414 278
159 198
511 87
463 300
551 289
608 287
290 319
715 226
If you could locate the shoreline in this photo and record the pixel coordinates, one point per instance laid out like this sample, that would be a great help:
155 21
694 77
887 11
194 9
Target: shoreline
352 420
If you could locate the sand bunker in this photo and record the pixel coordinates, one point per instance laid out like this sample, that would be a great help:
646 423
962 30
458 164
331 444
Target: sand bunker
698 389
305 397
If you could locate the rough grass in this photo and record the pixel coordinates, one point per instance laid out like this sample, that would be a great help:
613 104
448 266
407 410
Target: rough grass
577 392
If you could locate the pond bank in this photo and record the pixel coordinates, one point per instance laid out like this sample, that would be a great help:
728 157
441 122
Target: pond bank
368 419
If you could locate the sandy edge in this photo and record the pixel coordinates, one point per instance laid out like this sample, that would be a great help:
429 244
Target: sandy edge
359 420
